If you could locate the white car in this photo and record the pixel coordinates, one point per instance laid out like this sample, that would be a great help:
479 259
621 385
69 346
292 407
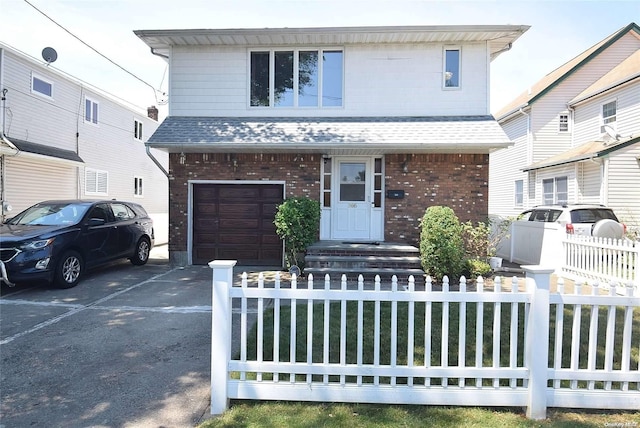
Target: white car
590 220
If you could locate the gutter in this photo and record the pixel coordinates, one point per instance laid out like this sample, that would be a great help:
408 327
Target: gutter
12 146
156 161
153 52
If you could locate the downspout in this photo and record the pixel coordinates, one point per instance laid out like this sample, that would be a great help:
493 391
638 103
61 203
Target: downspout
156 161
4 205
146 146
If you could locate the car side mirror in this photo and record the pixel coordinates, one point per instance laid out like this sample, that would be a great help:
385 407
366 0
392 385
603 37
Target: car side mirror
96 221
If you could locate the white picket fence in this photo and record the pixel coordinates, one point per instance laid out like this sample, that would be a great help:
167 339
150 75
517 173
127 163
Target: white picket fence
602 259
466 347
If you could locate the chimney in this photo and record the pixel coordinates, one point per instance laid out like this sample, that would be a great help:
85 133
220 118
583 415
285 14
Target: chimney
152 112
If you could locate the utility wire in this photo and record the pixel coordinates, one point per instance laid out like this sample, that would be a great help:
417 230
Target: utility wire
96 51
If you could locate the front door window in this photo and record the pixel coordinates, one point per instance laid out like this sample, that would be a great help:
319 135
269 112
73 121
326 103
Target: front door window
353 178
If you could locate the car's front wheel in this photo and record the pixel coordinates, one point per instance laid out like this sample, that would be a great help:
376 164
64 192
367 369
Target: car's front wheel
68 270
141 255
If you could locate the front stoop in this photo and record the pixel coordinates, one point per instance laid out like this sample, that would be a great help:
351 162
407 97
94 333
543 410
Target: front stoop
369 259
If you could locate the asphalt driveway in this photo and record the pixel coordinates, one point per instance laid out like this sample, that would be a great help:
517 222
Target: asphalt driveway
128 347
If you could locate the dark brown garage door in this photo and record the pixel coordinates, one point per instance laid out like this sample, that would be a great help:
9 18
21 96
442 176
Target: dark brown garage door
235 222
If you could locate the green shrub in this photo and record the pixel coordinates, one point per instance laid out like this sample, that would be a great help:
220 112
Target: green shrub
476 240
441 245
476 268
298 224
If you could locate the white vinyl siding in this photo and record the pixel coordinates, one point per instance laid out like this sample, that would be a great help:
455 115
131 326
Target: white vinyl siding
54 181
378 80
589 181
623 169
505 167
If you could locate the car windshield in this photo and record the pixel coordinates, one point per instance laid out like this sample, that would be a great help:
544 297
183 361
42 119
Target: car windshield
591 215
50 214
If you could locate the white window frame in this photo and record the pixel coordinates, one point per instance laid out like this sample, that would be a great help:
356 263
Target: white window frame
518 196
94 113
296 60
137 130
100 179
609 120
444 68
554 196
35 76
563 122
138 188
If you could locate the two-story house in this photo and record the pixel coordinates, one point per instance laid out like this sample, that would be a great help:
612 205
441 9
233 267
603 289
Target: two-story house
65 139
576 134
377 123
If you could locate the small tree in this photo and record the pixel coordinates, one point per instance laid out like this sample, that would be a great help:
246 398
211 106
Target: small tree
441 246
298 224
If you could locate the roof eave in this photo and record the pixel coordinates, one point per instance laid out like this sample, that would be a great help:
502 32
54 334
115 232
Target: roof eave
335 149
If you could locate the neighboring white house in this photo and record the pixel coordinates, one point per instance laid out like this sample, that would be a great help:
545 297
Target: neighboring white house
376 123
576 134
65 139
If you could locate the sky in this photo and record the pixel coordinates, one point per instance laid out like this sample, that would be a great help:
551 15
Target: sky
560 30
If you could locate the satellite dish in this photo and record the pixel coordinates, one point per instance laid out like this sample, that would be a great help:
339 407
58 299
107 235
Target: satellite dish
608 129
49 55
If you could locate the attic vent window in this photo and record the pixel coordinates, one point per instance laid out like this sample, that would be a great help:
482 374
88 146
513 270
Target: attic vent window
564 123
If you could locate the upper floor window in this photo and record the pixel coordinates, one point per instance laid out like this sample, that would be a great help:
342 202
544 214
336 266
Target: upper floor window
609 114
563 123
41 86
555 191
137 130
90 111
452 68
296 78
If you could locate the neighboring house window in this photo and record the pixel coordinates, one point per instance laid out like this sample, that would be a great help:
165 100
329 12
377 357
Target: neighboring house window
609 114
555 191
137 130
137 186
564 123
90 111
296 78
96 182
452 68
41 86
519 193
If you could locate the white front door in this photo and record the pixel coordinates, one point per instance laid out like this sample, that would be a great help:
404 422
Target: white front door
351 213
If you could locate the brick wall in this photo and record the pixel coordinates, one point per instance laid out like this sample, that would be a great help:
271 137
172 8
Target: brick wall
457 181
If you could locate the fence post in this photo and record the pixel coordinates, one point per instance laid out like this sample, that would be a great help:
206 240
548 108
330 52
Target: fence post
537 340
220 333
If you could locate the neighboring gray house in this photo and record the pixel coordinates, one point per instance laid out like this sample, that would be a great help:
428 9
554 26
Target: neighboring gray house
63 138
576 134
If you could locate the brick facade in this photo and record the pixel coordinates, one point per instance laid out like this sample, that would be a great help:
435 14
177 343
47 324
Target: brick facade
459 181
